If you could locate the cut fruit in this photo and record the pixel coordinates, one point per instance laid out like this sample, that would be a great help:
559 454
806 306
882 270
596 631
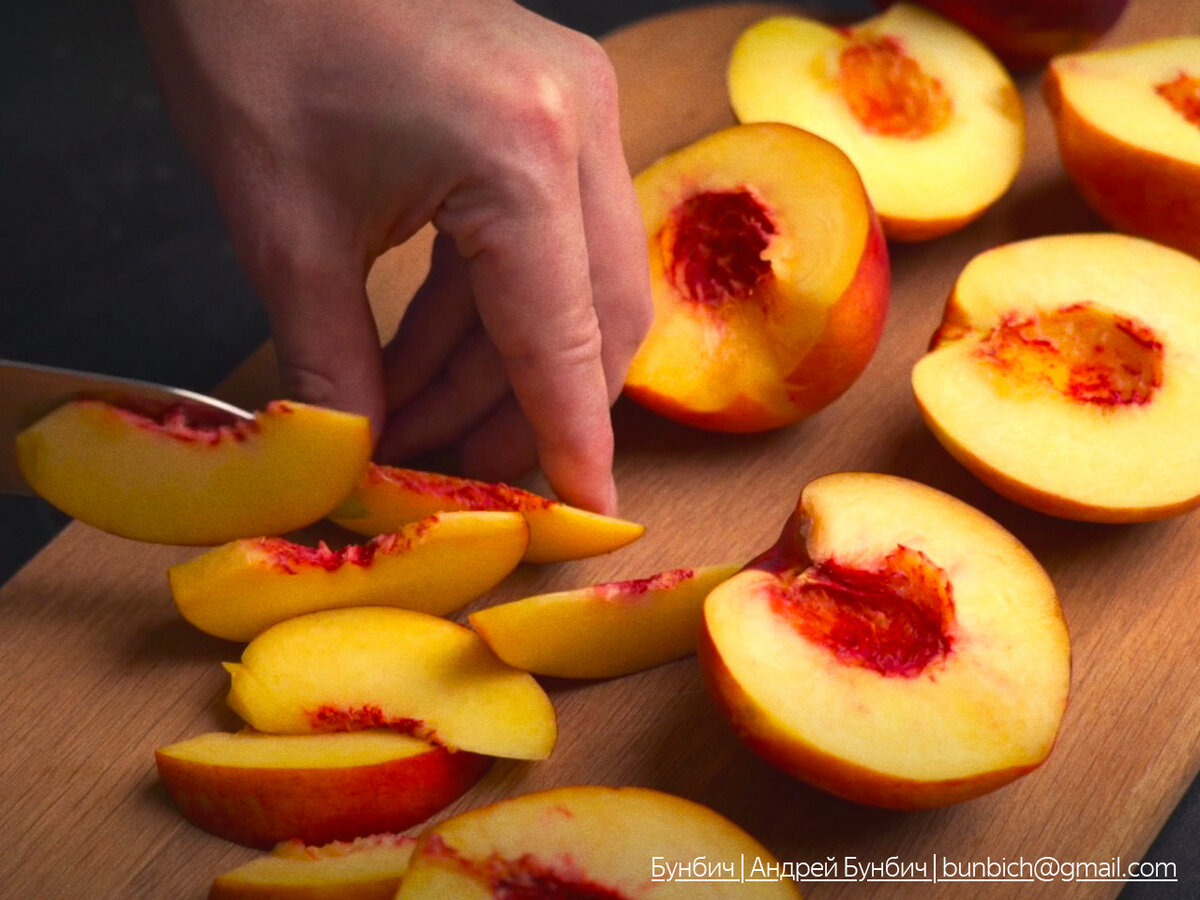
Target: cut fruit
589 843
605 630
1128 126
258 789
388 498
169 482
929 117
368 666
238 590
769 276
896 647
1066 376
368 868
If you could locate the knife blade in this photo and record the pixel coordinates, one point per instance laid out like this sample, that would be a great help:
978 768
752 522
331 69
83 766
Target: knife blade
29 391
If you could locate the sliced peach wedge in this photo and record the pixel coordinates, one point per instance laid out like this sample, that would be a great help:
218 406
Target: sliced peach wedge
896 647
169 482
605 630
258 789
586 842
389 497
369 666
238 590
929 117
1066 376
769 276
367 868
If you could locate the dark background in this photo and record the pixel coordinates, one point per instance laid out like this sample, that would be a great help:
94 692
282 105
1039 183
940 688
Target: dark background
116 260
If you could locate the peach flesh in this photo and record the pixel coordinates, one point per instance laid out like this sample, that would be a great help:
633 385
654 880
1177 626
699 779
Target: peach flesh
889 92
1184 95
526 878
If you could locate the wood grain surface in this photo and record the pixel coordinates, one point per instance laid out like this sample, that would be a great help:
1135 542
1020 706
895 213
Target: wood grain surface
100 669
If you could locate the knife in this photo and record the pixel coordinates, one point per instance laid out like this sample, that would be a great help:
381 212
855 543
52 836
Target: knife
29 391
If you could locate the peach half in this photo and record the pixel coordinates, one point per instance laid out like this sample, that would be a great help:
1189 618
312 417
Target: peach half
381 667
769 276
604 630
896 647
930 118
367 868
388 498
1128 127
1066 376
166 481
239 590
587 842
259 789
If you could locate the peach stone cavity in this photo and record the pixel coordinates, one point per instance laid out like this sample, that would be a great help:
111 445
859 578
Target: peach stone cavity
1183 93
888 91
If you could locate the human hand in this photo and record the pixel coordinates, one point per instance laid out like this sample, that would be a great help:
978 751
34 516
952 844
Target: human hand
335 130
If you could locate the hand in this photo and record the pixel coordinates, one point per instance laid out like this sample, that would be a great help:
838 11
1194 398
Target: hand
334 130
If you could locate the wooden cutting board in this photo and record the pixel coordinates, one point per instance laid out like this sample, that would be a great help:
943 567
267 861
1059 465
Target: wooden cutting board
100 670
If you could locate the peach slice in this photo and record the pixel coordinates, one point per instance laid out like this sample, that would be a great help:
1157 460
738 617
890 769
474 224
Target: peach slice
591 843
258 789
896 647
168 482
1128 127
238 590
388 498
1066 376
369 666
932 121
367 868
769 276
605 630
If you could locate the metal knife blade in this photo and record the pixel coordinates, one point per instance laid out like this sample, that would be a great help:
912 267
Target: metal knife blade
29 391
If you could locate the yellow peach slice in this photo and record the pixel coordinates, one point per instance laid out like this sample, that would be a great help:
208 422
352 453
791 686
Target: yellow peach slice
389 497
168 482
258 789
367 868
238 590
600 843
605 630
369 666
928 116
1066 376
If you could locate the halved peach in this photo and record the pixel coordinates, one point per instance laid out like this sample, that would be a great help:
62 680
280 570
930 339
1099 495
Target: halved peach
599 843
238 590
930 118
367 868
769 276
1128 126
605 630
1066 376
169 482
388 498
258 789
896 647
370 666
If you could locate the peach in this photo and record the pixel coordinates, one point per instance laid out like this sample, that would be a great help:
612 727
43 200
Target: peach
169 482
896 647
769 276
605 630
370 666
1066 376
1128 128
258 789
930 118
388 498
238 590
599 843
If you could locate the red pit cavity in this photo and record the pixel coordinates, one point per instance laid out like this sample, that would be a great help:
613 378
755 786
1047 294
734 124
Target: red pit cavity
526 878
1184 94
895 619
360 718
288 557
1083 352
713 245
469 494
185 423
888 91
663 581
